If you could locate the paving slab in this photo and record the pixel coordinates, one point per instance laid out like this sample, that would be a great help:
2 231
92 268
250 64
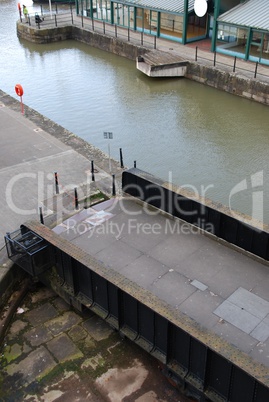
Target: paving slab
77 333
27 170
63 348
261 332
207 280
172 288
97 328
38 335
37 364
145 270
237 316
250 302
199 305
63 323
41 314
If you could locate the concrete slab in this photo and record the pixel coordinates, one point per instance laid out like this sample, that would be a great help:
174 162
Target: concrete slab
17 327
61 304
97 328
63 322
174 250
234 275
235 336
199 285
259 354
250 302
142 234
261 332
63 349
118 255
77 333
173 288
172 260
28 176
41 314
36 365
95 240
237 316
192 307
145 270
38 335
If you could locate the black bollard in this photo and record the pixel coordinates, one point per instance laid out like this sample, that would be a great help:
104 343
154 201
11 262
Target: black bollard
41 215
92 171
56 182
134 164
121 159
76 198
113 185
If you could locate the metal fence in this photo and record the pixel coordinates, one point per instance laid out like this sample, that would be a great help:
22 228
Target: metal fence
233 65
67 15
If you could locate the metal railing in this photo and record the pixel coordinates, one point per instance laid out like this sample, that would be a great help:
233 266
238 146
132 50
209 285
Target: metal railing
68 16
253 67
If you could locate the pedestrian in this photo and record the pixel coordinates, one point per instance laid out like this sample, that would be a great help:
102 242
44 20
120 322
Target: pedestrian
25 13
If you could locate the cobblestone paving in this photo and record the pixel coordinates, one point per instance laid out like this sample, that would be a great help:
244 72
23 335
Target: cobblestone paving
53 353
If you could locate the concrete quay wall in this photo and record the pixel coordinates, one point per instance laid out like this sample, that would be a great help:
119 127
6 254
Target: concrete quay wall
94 39
212 76
229 82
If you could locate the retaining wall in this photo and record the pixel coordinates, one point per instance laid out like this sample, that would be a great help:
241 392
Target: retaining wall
202 362
229 82
211 76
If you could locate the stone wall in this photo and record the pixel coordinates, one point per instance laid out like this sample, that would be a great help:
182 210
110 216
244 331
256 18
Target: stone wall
211 76
229 82
108 43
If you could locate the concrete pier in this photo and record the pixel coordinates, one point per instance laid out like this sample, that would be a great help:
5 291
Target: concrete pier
161 64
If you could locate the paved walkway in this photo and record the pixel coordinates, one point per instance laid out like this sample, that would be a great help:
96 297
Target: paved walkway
29 158
50 351
244 69
223 290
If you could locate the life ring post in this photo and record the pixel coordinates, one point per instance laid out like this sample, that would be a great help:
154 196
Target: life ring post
19 92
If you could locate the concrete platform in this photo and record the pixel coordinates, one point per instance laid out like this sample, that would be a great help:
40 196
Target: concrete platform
161 64
29 157
225 291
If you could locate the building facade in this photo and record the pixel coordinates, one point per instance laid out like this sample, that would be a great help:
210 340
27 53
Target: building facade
235 27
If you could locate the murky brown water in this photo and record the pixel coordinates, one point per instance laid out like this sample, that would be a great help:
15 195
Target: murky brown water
176 129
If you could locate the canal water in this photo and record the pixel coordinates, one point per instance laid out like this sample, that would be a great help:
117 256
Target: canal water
198 137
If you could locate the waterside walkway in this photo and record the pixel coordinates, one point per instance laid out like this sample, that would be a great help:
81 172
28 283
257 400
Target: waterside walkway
194 52
216 289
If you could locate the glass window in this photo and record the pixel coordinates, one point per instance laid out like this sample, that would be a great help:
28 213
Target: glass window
259 46
171 25
232 39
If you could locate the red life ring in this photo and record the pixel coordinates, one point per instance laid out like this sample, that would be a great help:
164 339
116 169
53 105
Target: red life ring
19 89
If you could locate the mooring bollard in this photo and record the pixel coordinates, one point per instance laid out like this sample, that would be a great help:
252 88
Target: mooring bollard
92 171
56 182
76 198
121 159
113 185
256 69
41 215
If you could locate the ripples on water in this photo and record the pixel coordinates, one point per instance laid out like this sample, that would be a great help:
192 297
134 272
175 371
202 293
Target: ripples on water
203 136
